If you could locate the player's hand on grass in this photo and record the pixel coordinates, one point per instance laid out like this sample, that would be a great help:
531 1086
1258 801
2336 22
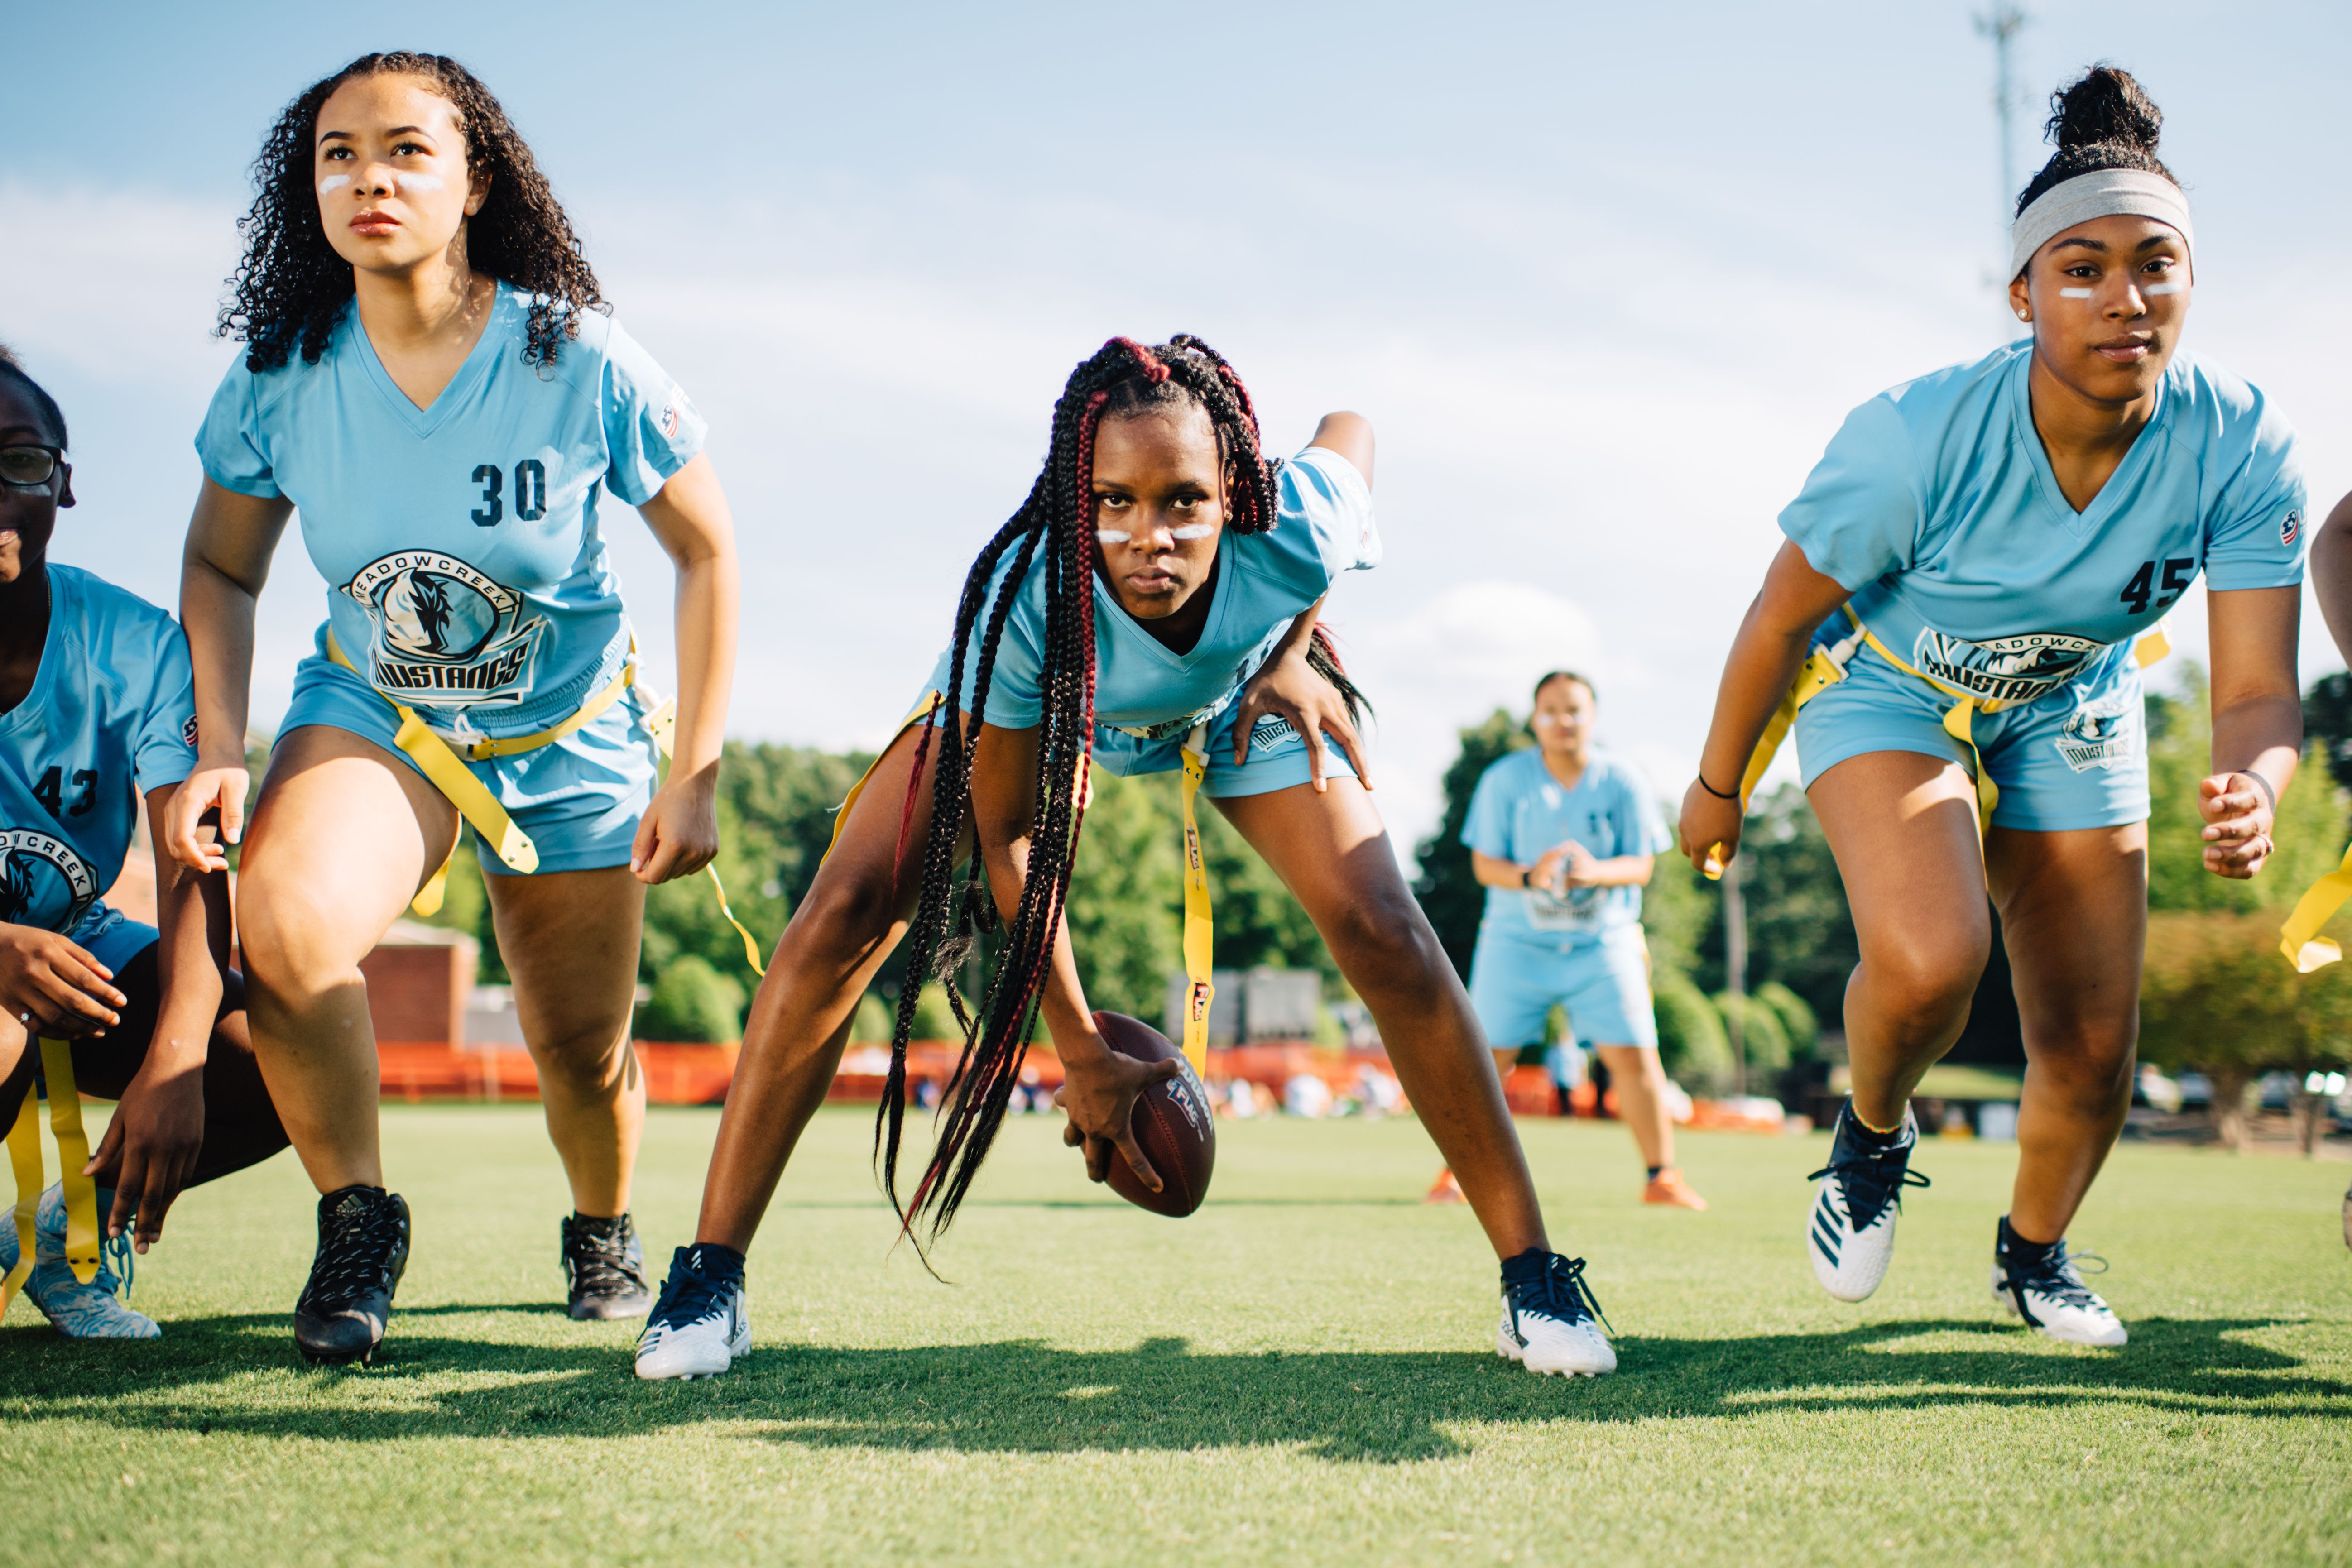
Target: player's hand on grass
50 987
1099 1094
2237 819
192 840
152 1144
1709 828
1288 688
680 835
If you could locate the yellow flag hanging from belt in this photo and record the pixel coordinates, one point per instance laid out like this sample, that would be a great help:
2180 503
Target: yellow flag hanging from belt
80 1191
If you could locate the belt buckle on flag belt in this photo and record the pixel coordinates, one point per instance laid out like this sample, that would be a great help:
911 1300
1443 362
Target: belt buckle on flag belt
438 759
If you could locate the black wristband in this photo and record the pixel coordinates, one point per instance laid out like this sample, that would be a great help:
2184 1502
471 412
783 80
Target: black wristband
1713 791
1527 876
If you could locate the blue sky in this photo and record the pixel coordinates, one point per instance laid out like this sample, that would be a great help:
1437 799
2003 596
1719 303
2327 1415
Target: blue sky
1605 279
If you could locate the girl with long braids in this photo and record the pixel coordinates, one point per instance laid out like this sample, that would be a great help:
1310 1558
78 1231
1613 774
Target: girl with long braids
432 379
1956 622
1156 594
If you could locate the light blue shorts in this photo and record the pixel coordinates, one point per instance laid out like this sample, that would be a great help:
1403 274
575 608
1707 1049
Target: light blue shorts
111 936
1602 982
1278 757
580 798
2076 758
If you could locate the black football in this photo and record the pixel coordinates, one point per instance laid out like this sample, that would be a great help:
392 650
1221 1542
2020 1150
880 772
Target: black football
1171 1124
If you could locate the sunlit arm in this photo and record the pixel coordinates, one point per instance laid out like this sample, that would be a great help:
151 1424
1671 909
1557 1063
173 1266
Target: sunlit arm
223 568
690 518
2257 723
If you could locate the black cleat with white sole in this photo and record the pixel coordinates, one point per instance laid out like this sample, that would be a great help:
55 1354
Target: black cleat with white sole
1552 1321
2043 1286
363 1250
703 1321
1850 1230
605 1269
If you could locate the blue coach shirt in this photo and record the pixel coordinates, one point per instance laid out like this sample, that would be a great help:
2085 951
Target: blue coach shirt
1519 811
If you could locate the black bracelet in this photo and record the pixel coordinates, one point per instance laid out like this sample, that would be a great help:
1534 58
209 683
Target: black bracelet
1526 874
1713 791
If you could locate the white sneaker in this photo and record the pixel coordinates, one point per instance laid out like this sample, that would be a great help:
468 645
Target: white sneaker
1850 1230
703 1320
77 1310
2049 1295
1551 1324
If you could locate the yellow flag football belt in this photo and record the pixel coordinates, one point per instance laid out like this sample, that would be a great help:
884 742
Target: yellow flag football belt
438 760
1825 666
1200 929
73 1154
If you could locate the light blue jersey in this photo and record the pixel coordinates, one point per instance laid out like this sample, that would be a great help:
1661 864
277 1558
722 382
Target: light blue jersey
1519 811
467 575
1936 506
111 716
1324 528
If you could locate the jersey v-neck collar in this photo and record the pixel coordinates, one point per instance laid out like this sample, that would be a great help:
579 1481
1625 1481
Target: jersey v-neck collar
1212 625
36 695
422 421
2097 515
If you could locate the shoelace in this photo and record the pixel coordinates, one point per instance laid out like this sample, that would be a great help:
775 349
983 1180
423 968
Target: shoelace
1868 1189
600 1263
354 1258
115 1253
1561 1291
2059 1276
689 1298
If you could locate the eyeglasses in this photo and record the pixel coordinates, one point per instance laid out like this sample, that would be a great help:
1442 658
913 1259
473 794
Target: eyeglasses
26 465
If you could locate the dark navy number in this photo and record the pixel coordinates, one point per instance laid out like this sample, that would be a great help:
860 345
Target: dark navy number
2177 574
530 490
85 780
50 794
492 508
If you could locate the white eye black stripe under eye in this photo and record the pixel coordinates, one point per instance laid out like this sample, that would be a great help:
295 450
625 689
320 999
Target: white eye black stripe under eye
1113 535
1194 530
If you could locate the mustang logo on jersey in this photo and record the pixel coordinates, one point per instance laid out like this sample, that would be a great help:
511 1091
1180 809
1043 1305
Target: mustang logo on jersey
445 634
2004 669
44 882
2100 734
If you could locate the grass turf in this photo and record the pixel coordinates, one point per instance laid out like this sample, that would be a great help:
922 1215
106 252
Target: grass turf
1301 1372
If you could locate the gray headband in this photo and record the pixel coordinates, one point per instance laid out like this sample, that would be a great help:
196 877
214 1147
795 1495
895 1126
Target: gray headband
2103 192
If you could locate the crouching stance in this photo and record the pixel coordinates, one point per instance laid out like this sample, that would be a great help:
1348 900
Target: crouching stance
1970 583
1156 595
95 714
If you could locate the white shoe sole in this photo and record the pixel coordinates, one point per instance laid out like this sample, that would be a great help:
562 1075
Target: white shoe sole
683 1364
1591 1365
2093 1334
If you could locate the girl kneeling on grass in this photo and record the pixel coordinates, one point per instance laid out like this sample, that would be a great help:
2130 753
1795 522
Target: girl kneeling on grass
96 714
1160 583
1966 576
432 380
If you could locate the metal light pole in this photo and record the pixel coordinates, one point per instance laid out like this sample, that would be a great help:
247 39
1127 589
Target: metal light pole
1734 968
2002 25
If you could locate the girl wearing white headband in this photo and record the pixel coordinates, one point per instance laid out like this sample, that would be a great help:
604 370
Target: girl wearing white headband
1973 574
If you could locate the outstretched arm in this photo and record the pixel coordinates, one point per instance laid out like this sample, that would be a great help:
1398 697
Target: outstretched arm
1101 1084
679 834
1350 436
231 538
1766 654
2257 723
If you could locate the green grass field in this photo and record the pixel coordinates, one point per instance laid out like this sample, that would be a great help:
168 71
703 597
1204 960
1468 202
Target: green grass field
1302 1373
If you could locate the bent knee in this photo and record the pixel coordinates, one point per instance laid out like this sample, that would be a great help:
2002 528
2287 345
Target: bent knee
1926 984
591 1059
845 914
286 935
1384 940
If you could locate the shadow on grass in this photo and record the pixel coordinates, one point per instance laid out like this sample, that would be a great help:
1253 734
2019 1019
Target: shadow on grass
1027 1398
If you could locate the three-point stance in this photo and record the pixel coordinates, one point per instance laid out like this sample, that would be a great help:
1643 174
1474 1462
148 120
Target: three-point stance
1967 575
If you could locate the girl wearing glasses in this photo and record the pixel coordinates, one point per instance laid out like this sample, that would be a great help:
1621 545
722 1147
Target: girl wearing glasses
96 715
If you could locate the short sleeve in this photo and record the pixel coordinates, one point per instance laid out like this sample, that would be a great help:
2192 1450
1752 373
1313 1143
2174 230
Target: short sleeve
1016 699
651 428
165 749
1323 491
231 443
1858 516
1488 827
2260 527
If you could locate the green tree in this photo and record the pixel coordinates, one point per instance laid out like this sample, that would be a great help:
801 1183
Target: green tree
1449 891
693 1003
1693 1046
1128 878
2216 997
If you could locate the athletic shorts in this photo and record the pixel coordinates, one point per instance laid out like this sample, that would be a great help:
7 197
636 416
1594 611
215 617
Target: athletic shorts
2076 758
111 936
580 798
1278 757
1602 982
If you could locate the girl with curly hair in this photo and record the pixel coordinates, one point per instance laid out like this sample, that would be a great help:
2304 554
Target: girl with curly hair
1151 606
1954 628
432 379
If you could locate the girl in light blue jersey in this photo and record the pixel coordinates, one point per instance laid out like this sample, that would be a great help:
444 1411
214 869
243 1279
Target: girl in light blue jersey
432 381
1956 621
1563 837
1156 595
96 720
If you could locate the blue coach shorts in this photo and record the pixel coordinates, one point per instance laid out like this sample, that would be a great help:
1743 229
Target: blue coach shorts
580 798
1602 982
2076 758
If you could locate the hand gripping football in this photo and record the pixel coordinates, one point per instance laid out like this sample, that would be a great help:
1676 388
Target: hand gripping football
1171 1124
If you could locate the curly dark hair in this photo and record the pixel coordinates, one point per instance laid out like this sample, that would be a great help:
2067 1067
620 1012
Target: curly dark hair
291 288
2102 119
1051 532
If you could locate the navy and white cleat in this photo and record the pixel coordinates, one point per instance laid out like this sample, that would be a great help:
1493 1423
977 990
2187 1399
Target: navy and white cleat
1552 1321
1850 1230
2043 1286
703 1320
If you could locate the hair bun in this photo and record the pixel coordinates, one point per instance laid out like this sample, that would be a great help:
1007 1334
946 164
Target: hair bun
2104 106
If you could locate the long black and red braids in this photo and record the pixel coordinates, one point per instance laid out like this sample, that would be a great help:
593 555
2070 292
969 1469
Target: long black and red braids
1051 532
